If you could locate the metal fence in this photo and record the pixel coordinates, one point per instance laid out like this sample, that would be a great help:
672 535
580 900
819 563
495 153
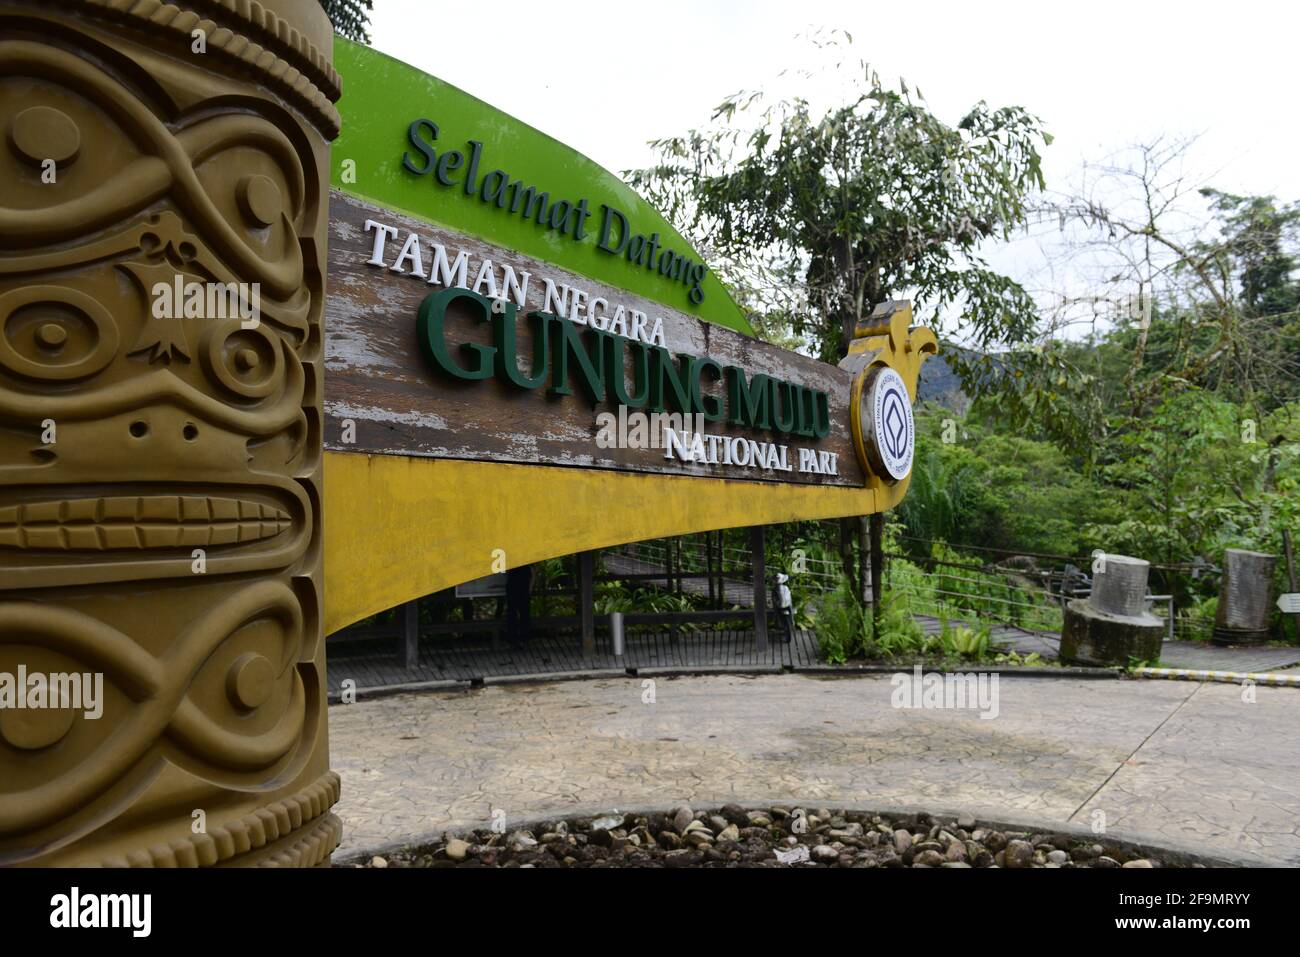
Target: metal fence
1025 589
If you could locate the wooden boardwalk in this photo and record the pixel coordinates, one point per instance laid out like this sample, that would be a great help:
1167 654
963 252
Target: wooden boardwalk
375 663
741 594
737 593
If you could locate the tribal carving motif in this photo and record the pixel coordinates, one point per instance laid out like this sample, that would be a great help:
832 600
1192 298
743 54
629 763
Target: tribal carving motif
162 232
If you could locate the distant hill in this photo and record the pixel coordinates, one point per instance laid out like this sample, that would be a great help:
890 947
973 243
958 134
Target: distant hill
940 384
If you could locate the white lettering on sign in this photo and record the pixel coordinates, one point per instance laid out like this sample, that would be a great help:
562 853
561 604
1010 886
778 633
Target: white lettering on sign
454 268
736 451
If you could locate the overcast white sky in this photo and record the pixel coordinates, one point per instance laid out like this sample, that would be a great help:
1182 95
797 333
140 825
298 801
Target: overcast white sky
605 77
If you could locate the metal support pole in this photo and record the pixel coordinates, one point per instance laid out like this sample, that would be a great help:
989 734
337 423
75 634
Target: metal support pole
760 586
587 601
411 633
877 535
616 633
708 567
1289 556
721 569
864 560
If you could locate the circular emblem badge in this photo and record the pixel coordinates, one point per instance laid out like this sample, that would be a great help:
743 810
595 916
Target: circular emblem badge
887 428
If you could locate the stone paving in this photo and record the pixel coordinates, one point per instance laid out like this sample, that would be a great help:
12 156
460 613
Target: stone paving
1179 763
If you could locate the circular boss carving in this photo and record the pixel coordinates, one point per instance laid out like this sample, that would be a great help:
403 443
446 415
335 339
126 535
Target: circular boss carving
259 200
250 681
32 730
54 333
41 133
247 362
888 432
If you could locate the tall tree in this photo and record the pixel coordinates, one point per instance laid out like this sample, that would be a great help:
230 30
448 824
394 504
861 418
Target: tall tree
351 18
1206 297
1260 239
817 217
1260 246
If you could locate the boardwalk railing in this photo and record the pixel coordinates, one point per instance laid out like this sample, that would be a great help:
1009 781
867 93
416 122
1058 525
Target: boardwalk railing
1024 595
1031 596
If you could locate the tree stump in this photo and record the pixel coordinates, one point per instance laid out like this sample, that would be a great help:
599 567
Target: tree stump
1112 625
1245 598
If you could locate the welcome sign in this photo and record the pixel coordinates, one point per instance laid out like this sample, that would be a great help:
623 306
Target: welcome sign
252 391
487 304
515 338
443 345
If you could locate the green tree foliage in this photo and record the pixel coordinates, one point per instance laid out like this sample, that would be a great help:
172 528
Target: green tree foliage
351 18
1201 475
1211 292
1258 246
977 482
1259 251
1197 296
818 216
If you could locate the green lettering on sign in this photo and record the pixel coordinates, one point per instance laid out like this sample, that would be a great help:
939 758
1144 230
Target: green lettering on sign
433 339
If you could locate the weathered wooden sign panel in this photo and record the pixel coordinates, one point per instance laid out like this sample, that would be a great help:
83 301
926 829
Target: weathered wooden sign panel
441 345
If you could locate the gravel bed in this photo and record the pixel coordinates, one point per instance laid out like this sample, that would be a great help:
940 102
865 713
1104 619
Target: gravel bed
780 836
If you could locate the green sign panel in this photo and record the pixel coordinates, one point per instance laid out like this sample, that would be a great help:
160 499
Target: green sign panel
416 144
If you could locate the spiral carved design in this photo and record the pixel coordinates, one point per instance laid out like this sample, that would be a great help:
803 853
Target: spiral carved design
162 240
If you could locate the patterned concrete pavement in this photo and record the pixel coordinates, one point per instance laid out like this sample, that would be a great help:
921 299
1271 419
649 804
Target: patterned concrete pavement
1184 764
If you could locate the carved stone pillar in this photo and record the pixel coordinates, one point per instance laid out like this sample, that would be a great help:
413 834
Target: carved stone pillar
163 187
